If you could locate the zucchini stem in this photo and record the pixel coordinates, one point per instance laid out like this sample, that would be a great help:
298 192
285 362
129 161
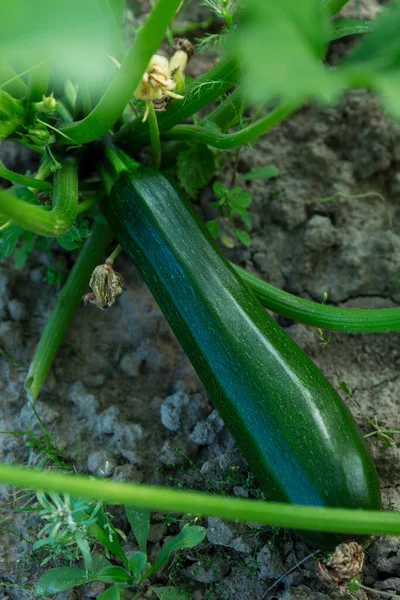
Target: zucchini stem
116 252
32 182
126 79
310 518
51 223
68 301
349 320
227 141
154 137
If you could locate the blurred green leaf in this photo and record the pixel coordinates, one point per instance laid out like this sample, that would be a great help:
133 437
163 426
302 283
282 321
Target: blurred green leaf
196 166
243 237
112 575
111 593
261 173
170 593
188 537
139 520
242 200
280 45
61 579
214 228
75 35
137 564
350 27
9 239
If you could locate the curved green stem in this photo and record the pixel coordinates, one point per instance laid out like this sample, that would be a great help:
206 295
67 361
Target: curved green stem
68 301
312 518
197 95
10 81
350 320
227 141
52 223
126 79
227 110
24 179
154 137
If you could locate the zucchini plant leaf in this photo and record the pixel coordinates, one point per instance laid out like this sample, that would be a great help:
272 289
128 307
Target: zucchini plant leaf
170 593
62 579
350 27
214 228
196 166
243 237
295 35
188 537
139 520
104 531
9 239
261 173
75 236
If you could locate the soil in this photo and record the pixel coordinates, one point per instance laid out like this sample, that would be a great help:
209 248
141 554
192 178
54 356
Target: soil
125 402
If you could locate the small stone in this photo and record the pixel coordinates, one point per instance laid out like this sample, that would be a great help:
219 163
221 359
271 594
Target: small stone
16 310
101 463
270 563
219 533
206 431
129 364
180 413
85 403
384 554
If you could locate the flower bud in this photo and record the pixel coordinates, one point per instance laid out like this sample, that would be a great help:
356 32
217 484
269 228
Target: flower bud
47 104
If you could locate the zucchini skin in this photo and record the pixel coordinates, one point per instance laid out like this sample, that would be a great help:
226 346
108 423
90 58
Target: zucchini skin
292 427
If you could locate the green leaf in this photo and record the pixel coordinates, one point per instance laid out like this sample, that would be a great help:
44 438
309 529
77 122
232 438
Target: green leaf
170 593
61 579
22 252
111 593
196 166
137 564
246 217
26 194
214 228
104 531
295 35
261 173
113 575
139 520
9 239
228 241
75 236
242 200
243 237
188 537
350 27
219 189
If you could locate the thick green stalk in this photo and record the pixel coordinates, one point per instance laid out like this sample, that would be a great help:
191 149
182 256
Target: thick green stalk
350 320
227 141
312 518
154 137
197 95
51 223
38 82
126 79
16 87
24 179
68 301
227 110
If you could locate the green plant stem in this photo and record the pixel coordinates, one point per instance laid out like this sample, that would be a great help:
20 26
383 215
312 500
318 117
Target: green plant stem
197 95
87 204
227 141
38 82
312 518
16 87
227 110
116 252
68 301
126 79
350 320
52 223
378 592
24 179
154 137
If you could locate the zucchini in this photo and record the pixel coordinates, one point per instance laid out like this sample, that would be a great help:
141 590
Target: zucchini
297 435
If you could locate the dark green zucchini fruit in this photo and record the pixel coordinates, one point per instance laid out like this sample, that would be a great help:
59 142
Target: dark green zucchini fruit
297 435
